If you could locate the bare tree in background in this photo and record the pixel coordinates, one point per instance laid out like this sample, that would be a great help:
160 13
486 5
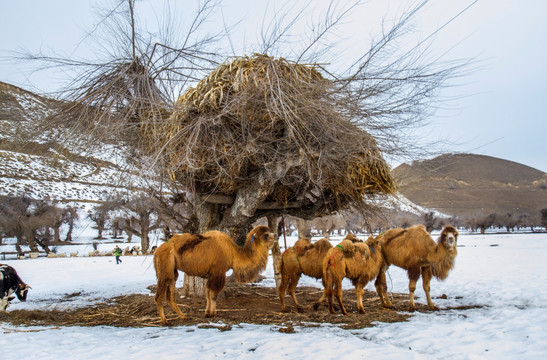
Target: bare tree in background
70 216
257 136
101 214
141 218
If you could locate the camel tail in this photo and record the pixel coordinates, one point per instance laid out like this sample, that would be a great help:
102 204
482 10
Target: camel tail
166 271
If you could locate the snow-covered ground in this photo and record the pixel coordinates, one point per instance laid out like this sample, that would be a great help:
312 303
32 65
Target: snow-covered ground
506 273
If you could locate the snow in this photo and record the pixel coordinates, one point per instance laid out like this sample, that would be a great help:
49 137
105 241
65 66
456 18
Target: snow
505 273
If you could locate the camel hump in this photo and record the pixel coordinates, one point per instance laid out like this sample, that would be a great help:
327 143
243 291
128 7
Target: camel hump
348 247
393 234
301 246
191 241
322 246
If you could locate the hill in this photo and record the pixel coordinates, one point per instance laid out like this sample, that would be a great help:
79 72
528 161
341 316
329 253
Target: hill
469 184
45 165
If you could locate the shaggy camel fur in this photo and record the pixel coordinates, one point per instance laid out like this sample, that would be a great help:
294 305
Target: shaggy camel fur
414 250
208 256
359 262
303 258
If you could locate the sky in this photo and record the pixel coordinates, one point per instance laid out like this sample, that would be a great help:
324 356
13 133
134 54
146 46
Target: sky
497 109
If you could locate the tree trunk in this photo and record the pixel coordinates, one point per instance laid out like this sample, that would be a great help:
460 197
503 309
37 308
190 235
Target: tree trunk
18 245
145 230
276 250
57 234
145 242
69 233
100 229
32 244
304 229
208 220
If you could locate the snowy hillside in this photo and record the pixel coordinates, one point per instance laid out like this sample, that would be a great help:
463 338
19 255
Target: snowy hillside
46 166
50 168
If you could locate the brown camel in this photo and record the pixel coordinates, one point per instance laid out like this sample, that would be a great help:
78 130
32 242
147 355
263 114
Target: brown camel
208 256
414 250
359 262
303 258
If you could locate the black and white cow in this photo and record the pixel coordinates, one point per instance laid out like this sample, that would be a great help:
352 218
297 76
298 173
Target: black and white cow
11 283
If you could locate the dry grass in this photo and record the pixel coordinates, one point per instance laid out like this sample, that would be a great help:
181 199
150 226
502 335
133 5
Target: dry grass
258 110
238 303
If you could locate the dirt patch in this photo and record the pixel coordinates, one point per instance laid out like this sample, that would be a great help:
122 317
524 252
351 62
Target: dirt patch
236 304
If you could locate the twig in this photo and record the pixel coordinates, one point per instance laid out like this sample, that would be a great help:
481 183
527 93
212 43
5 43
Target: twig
8 330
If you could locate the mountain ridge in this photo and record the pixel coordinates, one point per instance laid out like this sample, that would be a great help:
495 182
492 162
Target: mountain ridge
463 184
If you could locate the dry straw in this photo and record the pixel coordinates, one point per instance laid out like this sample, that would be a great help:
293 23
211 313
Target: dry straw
257 111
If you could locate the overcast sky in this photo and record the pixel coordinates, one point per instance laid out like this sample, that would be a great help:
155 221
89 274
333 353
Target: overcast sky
499 110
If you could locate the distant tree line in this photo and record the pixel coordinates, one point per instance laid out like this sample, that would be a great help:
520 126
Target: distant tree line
39 223
35 222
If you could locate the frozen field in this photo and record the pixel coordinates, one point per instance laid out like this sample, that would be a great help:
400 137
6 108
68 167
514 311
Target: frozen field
504 272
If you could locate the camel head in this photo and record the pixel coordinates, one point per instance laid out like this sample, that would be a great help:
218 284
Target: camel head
261 235
449 237
375 242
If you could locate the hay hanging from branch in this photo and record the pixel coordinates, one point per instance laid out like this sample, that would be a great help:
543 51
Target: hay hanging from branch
257 111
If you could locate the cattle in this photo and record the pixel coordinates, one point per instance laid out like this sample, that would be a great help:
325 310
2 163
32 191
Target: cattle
11 283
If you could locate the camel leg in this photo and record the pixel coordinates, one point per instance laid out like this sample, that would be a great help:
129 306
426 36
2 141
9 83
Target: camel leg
172 301
320 301
281 291
411 289
338 294
426 279
413 276
215 284
381 289
208 299
292 290
159 298
360 291
323 296
210 310
329 284
166 292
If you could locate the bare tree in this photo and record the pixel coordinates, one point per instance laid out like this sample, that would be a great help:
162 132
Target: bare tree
14 214
101 213
508 221
70 216
543 220
118 225
432 221
258 136
142 216
29 220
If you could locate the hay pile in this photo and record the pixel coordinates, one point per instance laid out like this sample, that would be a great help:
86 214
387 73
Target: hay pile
256 111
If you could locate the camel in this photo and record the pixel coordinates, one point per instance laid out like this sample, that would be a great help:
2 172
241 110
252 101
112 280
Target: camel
359 262
209 256
414 250
303 258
